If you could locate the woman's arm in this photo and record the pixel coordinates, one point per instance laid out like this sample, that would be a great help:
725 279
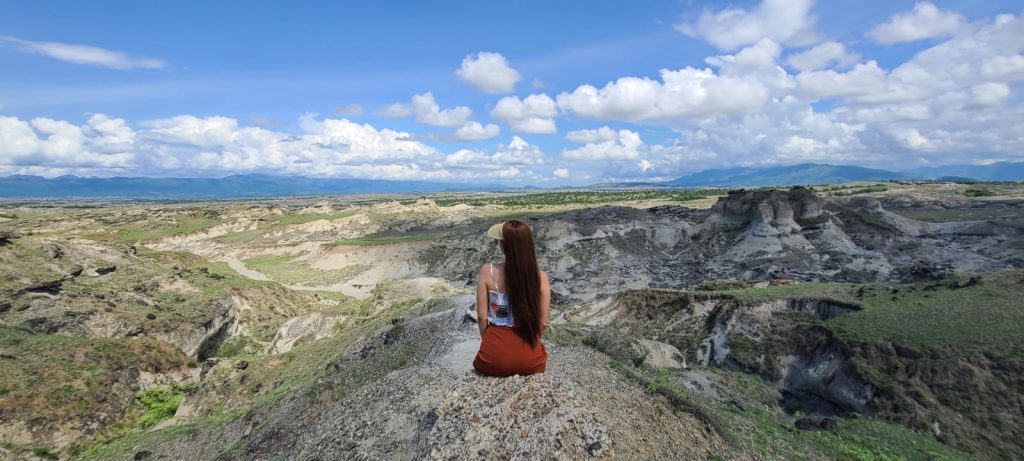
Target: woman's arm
481 300
545 301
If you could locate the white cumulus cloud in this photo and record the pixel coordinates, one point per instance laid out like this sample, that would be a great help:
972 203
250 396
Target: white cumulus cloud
474 131
102 143
785 21
489 73
742 86
925 21
534 114
599 135
561 173
822 56
625 147
517 152
427 111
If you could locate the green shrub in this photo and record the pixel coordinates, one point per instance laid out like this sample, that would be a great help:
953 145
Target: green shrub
237 345
594 342
740 343
979 193
159 403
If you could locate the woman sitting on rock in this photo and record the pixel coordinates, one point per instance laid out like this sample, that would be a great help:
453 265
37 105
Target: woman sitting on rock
512 303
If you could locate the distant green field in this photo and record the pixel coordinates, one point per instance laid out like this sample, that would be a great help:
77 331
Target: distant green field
582 198
841 191
302 218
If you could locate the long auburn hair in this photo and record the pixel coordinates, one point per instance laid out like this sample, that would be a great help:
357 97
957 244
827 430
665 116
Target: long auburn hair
522 279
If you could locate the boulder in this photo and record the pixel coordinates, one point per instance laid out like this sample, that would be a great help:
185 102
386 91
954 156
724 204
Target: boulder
7 236
805 424
309 327
660 355
52 250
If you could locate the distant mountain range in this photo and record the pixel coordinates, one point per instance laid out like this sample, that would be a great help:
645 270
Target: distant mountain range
1002 171
256 185
69 186
804 173
816 173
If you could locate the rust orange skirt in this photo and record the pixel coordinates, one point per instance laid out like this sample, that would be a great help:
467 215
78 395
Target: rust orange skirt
504 353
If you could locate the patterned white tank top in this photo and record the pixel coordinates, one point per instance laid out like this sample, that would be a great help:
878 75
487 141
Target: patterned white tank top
498 311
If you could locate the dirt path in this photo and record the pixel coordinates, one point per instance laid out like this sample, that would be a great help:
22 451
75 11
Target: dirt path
239 266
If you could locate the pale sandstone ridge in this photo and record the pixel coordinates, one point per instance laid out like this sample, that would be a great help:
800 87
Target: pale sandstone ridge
305 328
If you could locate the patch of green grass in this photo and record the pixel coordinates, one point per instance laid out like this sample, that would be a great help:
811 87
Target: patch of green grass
982 192
284 269
741 344
764 432
953 313
797 290
8 215
719 285
758 428
302 218
54 379
679 399
956 312
846 191
236 346
406 304
387 239
159 403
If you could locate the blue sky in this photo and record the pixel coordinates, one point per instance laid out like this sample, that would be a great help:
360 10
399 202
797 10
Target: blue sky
217 88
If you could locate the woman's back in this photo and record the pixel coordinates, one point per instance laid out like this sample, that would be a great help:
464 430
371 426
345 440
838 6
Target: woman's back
513 299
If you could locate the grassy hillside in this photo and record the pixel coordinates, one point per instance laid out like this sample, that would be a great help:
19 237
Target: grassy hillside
969 313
